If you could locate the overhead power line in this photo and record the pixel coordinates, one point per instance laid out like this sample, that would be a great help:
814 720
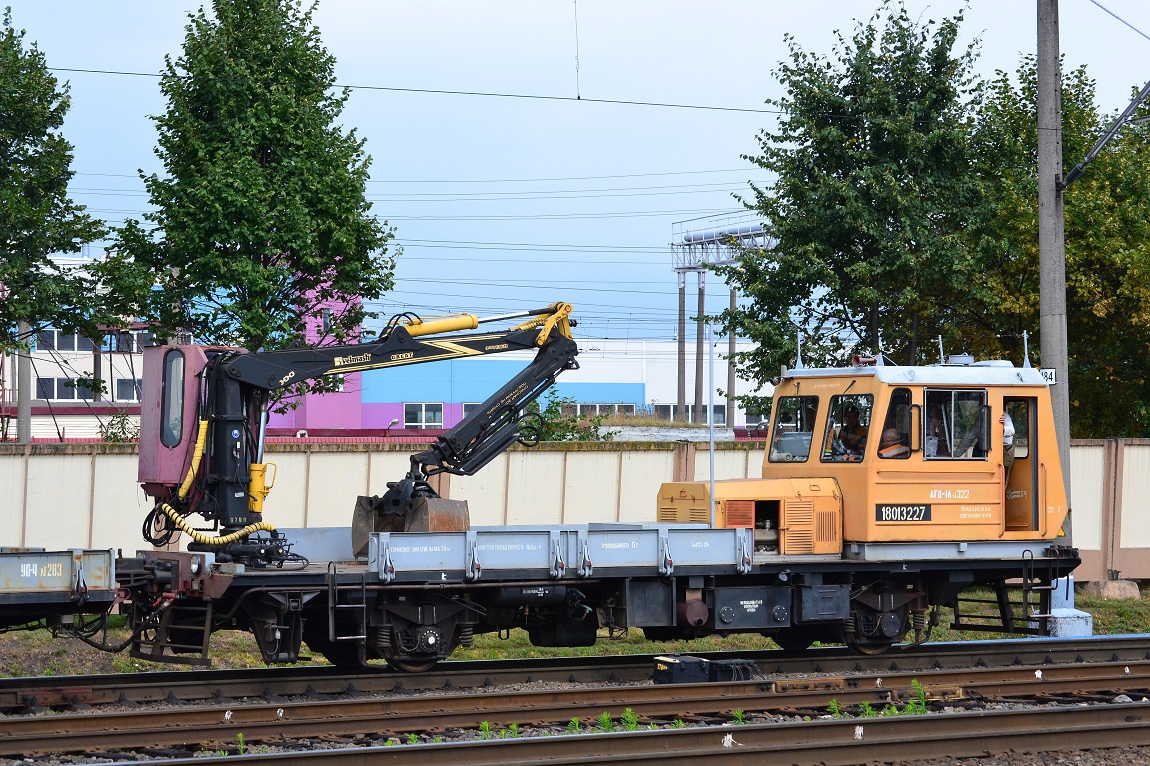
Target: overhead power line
484 94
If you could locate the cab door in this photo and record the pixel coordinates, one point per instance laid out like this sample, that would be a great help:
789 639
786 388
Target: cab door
1021 490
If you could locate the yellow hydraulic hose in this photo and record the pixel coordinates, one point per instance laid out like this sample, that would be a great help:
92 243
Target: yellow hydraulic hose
205 539
197 455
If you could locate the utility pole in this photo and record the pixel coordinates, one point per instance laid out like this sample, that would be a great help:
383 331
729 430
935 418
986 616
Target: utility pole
24 386
1052 231
699 340
681 397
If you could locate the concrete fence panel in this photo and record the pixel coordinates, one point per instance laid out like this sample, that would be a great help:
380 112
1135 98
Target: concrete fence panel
86 495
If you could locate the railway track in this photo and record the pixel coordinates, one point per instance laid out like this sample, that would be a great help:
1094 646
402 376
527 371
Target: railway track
1080 674
77 692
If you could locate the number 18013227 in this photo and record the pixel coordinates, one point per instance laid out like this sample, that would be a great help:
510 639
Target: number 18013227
913 512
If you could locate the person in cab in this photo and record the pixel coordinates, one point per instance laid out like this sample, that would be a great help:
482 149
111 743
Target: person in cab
891 445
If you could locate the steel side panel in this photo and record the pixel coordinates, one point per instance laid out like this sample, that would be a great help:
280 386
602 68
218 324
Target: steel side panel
637 548
56 571
517 550
1006 551
626 551
706 547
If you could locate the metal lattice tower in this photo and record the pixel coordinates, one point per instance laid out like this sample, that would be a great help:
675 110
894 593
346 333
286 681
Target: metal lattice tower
714 240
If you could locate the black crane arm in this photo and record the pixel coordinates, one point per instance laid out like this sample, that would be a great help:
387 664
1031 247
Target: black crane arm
398 345
498 423
226 479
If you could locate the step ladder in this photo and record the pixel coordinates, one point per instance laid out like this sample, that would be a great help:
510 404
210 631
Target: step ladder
182 635
346 597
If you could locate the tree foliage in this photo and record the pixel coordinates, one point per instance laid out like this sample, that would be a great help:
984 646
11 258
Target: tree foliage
873 188
37 217
561 424
1107 247
906 207
261 227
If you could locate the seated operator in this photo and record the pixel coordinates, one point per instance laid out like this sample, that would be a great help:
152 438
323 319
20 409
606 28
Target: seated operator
890 446
853 433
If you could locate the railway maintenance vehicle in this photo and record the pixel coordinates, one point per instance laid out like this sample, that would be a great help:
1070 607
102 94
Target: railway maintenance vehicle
887 494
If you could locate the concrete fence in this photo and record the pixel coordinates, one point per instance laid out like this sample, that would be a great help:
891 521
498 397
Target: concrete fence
86 495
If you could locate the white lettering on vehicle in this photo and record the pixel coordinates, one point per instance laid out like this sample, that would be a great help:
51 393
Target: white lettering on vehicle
885 512
950 494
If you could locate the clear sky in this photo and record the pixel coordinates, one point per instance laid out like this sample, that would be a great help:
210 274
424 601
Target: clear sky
505 203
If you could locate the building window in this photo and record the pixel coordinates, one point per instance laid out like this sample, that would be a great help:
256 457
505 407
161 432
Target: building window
603 410
62 389
127 341
55 340
128 389
470 408
422 415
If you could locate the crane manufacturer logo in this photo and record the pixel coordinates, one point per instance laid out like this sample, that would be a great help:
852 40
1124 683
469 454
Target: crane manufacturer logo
342 360
403 355
497 347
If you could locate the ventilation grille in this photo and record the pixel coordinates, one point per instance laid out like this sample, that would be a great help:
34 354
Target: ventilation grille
799 527
740 513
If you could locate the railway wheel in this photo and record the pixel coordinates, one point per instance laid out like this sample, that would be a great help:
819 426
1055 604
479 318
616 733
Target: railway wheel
870 649
412 663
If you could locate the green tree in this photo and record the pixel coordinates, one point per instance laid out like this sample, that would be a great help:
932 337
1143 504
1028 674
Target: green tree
262 228
1107 248
872 158
37 217
561 424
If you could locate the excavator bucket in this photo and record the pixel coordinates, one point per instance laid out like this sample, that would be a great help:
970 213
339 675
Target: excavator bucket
425 514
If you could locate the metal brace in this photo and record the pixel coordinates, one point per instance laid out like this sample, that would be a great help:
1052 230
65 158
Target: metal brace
744 553
666 563
558 565
386 568
472 569
79 584
585 568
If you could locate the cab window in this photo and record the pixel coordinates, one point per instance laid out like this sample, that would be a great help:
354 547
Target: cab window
172 400
794 425
894 440
953 424
848 426
1019 411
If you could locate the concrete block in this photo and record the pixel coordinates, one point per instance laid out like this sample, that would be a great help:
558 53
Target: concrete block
1112 589
1071 623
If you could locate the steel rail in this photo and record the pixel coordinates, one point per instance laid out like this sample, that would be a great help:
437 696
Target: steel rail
399 715
197 685
815 743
